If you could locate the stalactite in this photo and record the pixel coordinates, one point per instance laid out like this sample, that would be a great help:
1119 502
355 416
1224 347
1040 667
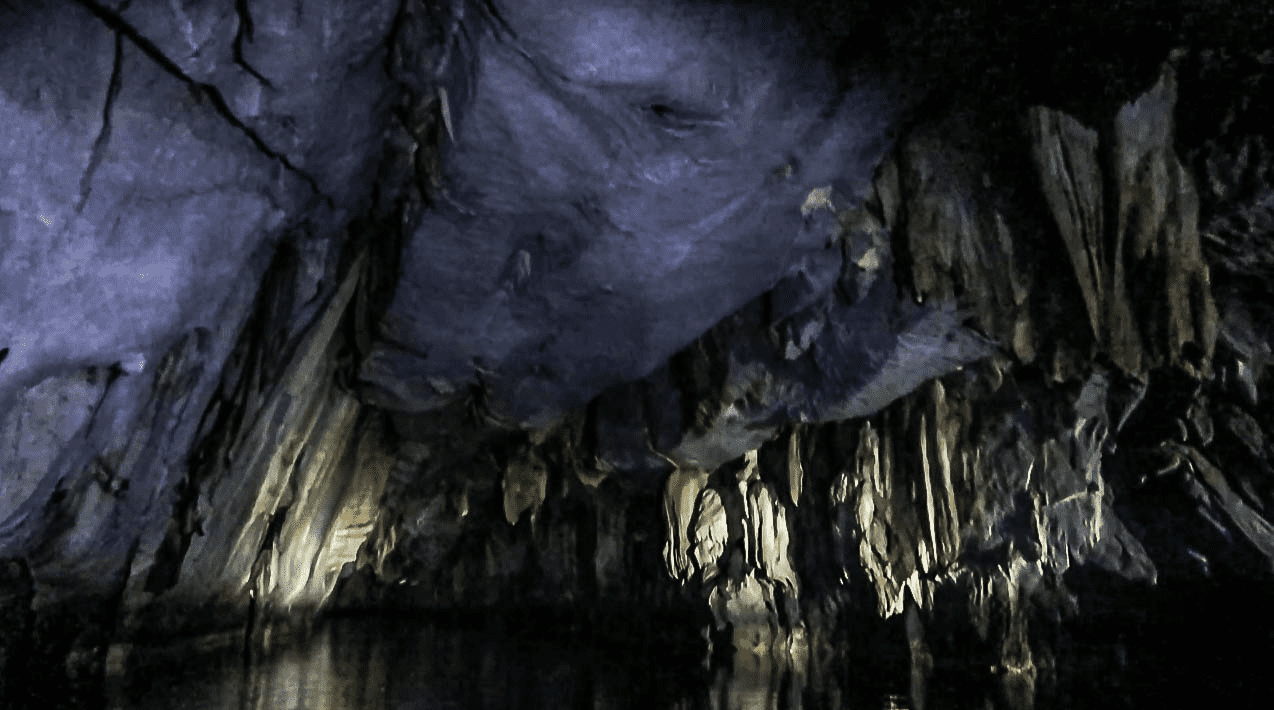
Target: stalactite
524 484
681 493
710 534
795 469
908 404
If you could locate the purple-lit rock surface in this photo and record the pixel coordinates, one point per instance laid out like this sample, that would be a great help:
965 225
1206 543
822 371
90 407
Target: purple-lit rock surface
618 180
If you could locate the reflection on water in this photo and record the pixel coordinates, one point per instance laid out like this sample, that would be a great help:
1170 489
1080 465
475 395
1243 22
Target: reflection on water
361 664
370 664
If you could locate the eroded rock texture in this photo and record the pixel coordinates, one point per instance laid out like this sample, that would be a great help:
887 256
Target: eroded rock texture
624 314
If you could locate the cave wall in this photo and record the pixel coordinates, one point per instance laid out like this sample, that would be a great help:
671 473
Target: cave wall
177 186
993 480
1008 363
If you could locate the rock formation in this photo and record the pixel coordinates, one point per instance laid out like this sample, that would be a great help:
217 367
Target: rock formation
636 312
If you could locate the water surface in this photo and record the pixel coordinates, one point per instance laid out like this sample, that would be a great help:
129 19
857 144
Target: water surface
386 664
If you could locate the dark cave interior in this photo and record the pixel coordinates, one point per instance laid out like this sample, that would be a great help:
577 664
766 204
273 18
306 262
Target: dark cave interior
608 353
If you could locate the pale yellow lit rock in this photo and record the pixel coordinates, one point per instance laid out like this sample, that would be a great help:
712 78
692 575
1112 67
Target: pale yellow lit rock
820 198
525 483
680 493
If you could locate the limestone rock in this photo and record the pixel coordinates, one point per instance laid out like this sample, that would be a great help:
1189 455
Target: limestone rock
682 505
1153 244
309 305
524 484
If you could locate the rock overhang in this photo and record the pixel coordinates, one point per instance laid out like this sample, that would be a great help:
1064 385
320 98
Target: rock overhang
245 444
584 239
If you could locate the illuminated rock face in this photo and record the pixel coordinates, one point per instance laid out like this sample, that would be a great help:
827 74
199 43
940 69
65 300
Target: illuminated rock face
168 174
627 309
